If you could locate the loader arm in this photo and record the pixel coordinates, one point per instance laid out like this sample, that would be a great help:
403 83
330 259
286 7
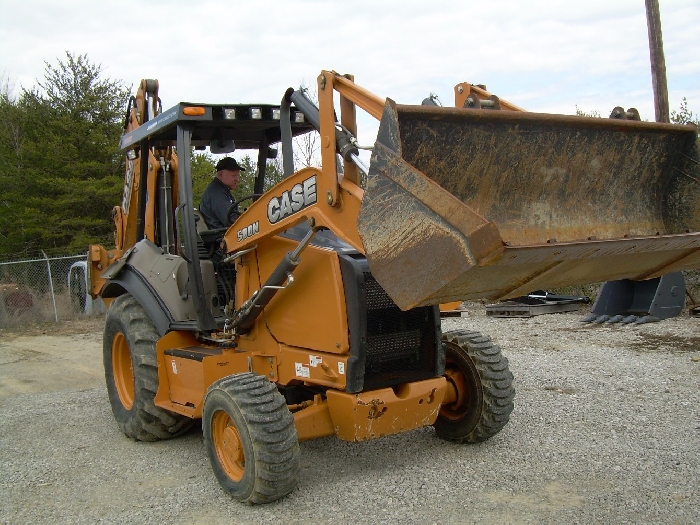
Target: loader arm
337 198
476 203
329 199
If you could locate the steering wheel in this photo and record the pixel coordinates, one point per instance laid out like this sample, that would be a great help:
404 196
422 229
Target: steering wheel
233 212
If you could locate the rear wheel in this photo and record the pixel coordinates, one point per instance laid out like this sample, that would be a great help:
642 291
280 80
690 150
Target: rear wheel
250 438
131 372
479 375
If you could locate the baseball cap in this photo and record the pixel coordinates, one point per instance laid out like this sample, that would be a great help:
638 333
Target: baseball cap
228 163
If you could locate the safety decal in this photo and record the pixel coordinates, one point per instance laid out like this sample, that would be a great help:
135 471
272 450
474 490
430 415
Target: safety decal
302 371
341 368
315 360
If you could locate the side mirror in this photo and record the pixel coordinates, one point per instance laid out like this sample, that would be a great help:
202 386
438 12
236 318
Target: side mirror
222 146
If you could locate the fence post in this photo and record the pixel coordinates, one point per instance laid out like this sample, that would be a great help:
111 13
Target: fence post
53 297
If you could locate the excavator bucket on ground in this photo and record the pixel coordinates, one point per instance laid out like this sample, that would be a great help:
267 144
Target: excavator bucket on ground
494 204
626 301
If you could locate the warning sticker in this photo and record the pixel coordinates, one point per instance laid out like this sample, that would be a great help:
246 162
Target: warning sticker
341 367
315 360
301 370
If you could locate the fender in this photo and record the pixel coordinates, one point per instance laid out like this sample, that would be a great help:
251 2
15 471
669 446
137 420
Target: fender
130 281
159 282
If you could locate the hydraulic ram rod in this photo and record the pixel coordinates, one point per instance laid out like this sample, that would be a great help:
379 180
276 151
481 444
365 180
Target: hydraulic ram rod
251 309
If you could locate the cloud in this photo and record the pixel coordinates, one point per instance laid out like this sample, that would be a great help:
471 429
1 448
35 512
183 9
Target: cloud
543 55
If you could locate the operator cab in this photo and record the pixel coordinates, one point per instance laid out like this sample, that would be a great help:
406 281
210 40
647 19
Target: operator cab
222 128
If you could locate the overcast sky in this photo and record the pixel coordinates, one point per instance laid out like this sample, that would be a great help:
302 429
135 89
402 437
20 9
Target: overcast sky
542 55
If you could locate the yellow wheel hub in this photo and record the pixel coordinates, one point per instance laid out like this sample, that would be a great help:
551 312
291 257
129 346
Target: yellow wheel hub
123 370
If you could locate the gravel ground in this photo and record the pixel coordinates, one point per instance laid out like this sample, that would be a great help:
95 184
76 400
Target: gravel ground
606 429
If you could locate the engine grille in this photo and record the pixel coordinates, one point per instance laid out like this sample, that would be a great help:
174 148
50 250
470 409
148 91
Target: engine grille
400 345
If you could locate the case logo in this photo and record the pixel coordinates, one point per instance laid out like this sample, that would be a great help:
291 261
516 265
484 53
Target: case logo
290 202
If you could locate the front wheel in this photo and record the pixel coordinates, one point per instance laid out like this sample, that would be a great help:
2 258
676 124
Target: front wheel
478 374
250 438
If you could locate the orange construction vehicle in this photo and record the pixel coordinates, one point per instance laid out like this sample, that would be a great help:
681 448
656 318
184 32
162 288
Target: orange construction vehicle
315 313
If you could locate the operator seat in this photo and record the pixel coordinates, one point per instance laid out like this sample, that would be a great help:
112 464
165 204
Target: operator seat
206 234
199 221
209 248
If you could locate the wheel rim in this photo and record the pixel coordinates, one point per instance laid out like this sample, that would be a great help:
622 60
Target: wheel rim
123 370
462 381
228 445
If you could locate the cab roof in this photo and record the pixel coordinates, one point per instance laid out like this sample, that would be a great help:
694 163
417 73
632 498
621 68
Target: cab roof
249 125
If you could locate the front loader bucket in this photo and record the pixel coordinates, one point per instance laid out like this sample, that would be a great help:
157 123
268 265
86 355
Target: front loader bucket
463 204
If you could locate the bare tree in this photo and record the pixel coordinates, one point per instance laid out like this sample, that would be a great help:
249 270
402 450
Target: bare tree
7 87
307 146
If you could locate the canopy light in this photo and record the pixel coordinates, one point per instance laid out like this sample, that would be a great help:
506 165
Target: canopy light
255 113
230 113
194 111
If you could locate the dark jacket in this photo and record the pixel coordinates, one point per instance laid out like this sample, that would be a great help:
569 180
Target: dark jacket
216 200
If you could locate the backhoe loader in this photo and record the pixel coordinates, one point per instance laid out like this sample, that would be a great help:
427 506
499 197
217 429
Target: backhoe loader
316 312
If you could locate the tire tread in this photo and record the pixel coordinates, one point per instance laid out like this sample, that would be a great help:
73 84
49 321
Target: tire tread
145 421
272 431
496 383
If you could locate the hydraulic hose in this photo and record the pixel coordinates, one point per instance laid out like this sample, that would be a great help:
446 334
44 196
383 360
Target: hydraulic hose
286 130
345 140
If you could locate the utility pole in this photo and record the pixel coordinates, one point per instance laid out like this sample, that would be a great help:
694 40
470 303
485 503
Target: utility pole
658 63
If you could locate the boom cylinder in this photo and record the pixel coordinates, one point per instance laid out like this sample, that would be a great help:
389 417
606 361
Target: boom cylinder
251 309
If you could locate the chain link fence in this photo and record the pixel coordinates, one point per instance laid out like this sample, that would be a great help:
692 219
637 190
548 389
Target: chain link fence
54 289
45 289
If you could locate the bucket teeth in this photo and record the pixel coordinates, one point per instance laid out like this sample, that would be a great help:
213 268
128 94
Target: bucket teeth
647 319
622 319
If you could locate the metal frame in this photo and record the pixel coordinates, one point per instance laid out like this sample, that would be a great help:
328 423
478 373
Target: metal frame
174 127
